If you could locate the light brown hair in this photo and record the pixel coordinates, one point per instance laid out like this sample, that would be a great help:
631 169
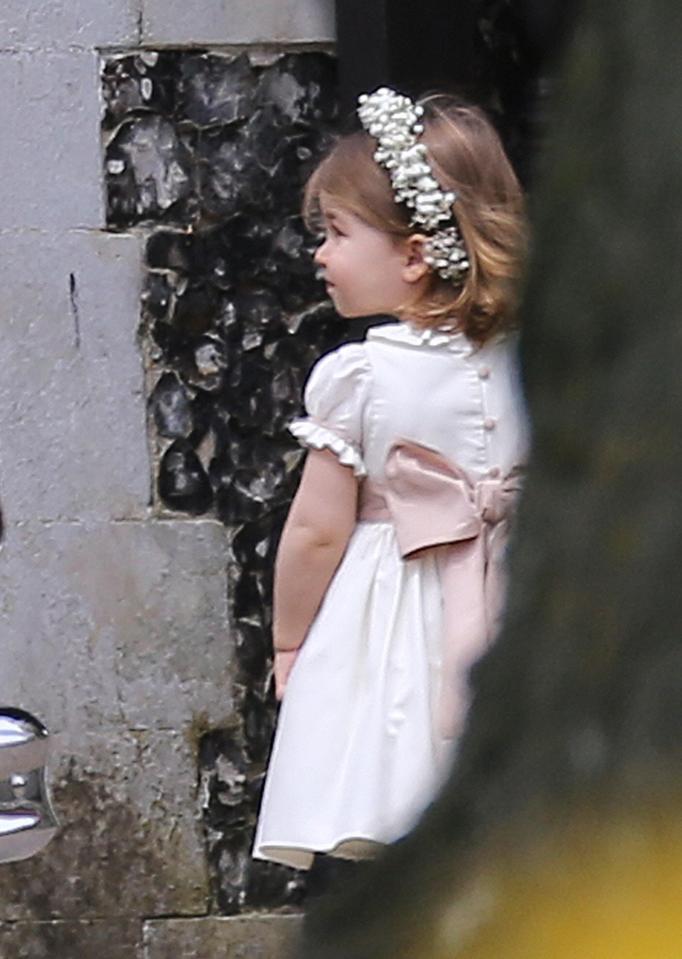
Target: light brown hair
467 157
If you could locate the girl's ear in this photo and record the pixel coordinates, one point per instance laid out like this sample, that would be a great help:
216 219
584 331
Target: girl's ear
415 268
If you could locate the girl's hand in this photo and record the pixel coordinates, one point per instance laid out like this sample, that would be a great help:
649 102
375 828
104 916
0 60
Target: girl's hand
282 667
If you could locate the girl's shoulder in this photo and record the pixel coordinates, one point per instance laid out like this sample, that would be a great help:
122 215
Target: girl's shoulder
349 359
338 376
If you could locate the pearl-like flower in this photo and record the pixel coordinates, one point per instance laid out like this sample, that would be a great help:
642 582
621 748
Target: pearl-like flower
392 119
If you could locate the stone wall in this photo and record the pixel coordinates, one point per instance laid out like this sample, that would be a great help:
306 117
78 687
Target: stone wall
113 607
207 152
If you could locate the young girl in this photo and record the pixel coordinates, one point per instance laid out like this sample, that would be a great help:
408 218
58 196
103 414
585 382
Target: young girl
387 577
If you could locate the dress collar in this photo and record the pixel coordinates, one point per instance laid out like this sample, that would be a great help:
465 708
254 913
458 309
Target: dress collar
453 340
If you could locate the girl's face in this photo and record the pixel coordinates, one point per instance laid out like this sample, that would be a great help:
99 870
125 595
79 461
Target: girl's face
363 267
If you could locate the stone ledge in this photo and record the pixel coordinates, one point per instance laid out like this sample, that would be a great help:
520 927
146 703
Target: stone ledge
255 936
239 21
120 939
130 843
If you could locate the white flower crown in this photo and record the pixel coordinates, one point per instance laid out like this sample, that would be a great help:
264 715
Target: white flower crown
394 121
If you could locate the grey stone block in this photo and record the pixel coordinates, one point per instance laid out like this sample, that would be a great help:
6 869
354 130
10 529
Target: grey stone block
121 624
50 112
130 843
233 937
100 939
72 410
68 23
237 21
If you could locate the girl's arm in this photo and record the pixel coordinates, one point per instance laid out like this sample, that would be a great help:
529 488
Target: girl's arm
315 536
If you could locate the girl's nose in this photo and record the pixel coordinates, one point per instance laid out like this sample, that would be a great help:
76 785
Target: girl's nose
320 253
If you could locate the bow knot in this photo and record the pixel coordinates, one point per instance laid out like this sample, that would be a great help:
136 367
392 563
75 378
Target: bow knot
433 502
493 500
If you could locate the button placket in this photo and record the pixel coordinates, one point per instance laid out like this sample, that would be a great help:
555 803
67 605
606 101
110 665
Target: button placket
489 423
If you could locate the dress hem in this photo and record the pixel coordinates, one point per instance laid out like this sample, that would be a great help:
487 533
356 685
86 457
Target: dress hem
296 856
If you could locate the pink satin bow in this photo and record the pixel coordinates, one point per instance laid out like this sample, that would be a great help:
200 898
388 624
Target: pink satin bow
434 504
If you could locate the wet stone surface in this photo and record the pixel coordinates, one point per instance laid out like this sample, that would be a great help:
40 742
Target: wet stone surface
208 153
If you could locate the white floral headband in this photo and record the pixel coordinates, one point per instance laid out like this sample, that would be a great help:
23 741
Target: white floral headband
394 121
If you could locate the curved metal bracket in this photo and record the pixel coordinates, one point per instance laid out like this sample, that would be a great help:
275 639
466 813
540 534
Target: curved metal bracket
27 820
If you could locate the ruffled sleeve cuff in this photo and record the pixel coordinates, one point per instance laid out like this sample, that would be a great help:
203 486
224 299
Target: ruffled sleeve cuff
314 435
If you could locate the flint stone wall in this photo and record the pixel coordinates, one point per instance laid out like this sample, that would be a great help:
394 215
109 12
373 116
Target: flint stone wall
113 607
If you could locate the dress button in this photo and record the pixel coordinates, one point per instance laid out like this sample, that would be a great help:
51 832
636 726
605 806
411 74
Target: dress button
495 472
489 423
484 372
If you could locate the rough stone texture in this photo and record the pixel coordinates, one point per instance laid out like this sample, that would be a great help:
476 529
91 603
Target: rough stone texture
129 616
71 940
51 173
68 23
73 387
237 21
236 937
130 843
113 621
210 151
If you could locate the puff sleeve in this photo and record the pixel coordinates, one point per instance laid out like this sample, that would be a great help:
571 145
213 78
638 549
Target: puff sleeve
335 400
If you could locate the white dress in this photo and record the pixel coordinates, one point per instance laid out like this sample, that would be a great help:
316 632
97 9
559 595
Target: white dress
357 756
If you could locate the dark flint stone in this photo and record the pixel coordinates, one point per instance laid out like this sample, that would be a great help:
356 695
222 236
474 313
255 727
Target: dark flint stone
257 731
302 87
148 170
251 596
230 181
242 497
216 256
173 343
183 484
271 885
216 89
196 309
141 82
253 649
157 296
293 244
171 407
266 137
202 408
259 317
170 250
205 367
248 242
216 160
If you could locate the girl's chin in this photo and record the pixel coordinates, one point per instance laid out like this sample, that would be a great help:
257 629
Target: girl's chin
343 309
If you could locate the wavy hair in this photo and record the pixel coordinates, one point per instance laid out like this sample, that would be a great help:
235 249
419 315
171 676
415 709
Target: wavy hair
467 157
